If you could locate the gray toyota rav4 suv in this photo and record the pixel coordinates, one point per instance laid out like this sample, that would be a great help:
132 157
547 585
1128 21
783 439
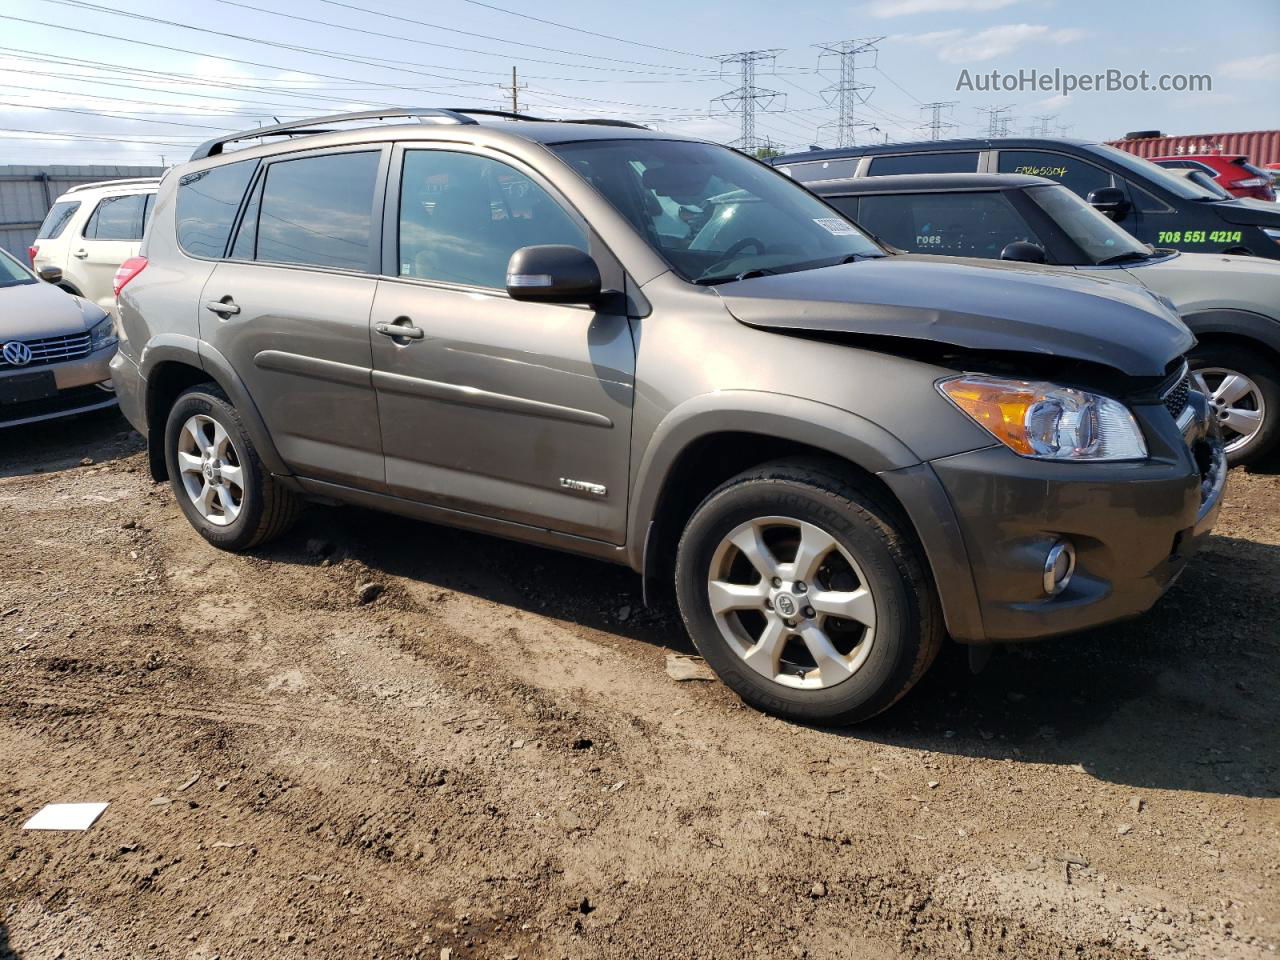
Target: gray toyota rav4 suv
657 351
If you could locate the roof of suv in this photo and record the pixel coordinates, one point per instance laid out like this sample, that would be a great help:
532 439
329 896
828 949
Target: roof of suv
905 182
433 120
933 146
139 183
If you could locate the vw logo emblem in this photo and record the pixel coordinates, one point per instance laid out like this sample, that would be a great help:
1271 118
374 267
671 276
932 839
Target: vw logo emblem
16 353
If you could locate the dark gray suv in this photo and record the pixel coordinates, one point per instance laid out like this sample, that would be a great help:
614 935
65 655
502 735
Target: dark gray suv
660 352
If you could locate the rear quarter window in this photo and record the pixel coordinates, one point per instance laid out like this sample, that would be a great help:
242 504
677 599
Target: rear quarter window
57 219
822 169
955 161
207 206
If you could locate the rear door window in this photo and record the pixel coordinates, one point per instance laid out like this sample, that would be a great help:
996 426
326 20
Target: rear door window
950 224
207 205
956 161
118 218
1078 176
56 220
319 211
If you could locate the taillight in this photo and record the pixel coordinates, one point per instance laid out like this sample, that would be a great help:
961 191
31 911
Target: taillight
31 254
1249 182
127 271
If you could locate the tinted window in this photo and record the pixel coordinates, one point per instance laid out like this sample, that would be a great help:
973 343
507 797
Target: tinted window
713 213
57 219
952 224
207 205
1078 176
117 218
954 162
246 245
319 211
12 273
1151 173
822 169
462 216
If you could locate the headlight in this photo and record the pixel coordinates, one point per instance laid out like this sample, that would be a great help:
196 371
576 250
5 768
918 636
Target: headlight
1046 421
103 334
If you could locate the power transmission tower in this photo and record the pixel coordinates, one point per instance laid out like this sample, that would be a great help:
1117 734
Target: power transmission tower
935 125
748 97
1063 128
848 93
998 120
514 90
1040 125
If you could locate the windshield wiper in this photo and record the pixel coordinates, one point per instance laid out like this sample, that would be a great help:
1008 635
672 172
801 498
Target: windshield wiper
745 275
1123 258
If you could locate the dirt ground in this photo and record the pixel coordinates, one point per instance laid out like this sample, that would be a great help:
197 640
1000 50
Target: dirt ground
489 760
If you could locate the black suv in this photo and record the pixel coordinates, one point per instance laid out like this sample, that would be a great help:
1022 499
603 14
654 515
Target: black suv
1154 204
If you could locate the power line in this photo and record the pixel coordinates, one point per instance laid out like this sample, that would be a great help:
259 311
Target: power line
848 93
747 97
936 124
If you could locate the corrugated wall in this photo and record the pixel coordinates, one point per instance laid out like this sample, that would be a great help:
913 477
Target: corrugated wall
27 193
1260 146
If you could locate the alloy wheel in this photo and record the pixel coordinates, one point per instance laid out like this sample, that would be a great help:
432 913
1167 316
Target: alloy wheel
211 469
1236 401
792 602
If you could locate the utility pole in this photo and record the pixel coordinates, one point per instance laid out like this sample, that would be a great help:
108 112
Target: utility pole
936 124
748 97
514 90
998 120
848 93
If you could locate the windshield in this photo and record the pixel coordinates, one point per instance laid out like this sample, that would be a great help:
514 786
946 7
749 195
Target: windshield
714 214
1101 240
12 272
1178 186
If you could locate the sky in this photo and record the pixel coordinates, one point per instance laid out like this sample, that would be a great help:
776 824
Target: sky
144 81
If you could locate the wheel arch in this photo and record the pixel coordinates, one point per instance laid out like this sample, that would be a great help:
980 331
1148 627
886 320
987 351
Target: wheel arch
171 365
1240 327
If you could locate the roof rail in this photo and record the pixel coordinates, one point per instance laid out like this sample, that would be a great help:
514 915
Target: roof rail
459 115
111 183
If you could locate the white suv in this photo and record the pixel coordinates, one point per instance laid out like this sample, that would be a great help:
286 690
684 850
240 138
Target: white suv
90 231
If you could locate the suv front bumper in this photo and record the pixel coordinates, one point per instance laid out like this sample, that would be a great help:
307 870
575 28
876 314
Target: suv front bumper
1134 526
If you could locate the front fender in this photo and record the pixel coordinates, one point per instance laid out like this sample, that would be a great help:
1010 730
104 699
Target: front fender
1238 323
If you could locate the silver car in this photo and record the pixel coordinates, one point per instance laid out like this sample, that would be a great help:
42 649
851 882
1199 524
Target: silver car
54 349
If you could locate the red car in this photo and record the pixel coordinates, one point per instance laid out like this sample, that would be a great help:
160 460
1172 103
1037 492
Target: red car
1233 172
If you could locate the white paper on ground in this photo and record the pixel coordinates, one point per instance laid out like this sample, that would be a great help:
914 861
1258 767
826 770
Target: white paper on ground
65 816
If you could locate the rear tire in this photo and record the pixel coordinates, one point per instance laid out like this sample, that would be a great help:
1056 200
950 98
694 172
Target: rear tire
216 475
829 668
1211 365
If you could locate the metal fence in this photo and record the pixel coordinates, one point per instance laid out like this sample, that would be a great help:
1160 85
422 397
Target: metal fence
27 193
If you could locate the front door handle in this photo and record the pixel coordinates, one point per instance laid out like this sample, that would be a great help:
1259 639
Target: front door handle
224 308
402 329
81 254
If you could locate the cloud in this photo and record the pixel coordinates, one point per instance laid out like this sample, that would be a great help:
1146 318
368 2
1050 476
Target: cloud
883 9
963 46
1252 68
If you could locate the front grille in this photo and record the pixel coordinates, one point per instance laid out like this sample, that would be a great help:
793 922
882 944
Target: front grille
54 350
1175 398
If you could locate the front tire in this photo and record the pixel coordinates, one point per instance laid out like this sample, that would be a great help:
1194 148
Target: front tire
216 475
1243 390
806 595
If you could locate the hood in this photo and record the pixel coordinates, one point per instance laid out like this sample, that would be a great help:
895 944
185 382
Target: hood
29 311
1248 211
1205 281
978 305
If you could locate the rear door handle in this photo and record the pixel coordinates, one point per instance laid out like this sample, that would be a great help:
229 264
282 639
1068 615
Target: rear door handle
224 308
81 254
400 330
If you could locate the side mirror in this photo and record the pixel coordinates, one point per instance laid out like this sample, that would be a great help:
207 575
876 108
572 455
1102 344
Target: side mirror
51 275
1023 251
1111 202
553 273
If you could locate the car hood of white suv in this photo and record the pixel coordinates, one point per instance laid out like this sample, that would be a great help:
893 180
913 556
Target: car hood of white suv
1204 281
31 311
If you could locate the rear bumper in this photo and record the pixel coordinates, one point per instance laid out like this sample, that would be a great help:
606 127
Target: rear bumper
1134 526
131 389
84 385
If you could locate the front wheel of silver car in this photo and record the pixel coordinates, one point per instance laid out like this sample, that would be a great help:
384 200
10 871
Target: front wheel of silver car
1242 387
807 594
216 474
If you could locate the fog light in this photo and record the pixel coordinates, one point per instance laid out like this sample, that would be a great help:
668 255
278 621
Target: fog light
1059 565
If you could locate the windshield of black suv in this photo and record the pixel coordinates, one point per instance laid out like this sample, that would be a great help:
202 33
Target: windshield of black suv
13 273
713 213
1145 169
1101 240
